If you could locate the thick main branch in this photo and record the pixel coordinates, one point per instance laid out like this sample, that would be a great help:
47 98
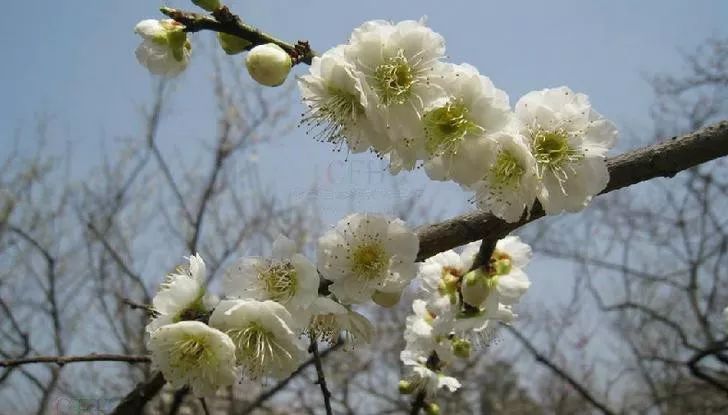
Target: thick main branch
664 159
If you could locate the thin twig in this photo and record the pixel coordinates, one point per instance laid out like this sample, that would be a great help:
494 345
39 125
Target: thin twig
139 306
544 360
320 377
224 21
62 360
260 400
418 403
204 406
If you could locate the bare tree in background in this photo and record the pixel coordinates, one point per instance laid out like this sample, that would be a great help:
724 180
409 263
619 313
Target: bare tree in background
80 257
654 261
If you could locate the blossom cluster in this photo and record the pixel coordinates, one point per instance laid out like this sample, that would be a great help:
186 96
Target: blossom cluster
270 304
389 90
458 310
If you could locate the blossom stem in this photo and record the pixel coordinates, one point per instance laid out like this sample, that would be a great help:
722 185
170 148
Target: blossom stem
204 406
224 21
321 379
418 403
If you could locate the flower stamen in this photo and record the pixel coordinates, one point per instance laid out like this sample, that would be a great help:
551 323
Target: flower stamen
369 261
446 126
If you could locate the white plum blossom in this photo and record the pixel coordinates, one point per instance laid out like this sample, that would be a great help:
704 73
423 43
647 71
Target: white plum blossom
268 64
456 126
467 303
165 49
423 378
367 253
287 277
337 99
182 296
510 184
420 338
192 353
569 141
329 319
440 278
397 62
265 344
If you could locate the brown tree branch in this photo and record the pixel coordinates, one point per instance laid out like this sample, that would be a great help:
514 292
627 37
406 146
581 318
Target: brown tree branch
664 159
62 360
224 21
320 376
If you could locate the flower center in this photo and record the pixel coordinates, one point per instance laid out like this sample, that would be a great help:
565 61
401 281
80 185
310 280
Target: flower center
393 80
552 151
501 263
194 311
279 281
332 115
446 126
506 171
192 352
257 349
325 327
369 261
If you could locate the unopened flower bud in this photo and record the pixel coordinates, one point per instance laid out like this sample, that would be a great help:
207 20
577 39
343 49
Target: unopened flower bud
406 387
385 299
432 409
268 64
209 5
232 44
475 287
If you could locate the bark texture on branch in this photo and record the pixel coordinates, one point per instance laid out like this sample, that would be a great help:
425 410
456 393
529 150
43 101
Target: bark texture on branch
664 159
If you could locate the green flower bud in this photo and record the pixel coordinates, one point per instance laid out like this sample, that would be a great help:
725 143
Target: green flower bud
268 64
432 409
461 348
209 5
232 44
476 287
386 299
406 387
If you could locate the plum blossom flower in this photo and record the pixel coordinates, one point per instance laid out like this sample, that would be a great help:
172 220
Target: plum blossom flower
569 141
510 183
457 126
192 353
265 344
182 296
367 253
397 62
165 49
286 277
